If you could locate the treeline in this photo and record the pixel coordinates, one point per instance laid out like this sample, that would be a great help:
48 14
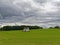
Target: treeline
9 28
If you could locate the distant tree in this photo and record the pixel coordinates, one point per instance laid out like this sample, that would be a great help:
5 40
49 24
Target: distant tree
6 28
50 27
56 27
35 27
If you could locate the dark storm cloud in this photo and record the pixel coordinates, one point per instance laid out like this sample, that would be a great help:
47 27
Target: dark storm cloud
37 12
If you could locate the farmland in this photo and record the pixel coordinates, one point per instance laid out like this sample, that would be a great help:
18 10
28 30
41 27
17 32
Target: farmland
34 37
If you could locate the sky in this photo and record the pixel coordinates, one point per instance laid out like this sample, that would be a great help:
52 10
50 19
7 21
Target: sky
30 12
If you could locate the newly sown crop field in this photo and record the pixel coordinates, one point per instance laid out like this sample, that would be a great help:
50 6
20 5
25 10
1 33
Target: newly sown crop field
34 37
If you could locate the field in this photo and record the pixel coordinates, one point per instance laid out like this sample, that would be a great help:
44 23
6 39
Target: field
34 37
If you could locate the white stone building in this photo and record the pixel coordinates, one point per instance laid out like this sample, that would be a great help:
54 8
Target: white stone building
26 29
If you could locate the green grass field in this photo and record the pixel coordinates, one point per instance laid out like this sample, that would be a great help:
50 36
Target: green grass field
34 37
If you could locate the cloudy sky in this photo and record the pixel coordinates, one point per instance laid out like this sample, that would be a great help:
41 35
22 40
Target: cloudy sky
34 12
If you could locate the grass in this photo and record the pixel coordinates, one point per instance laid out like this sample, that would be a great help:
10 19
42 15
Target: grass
34 37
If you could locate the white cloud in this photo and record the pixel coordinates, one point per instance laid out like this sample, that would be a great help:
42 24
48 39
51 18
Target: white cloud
49 7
